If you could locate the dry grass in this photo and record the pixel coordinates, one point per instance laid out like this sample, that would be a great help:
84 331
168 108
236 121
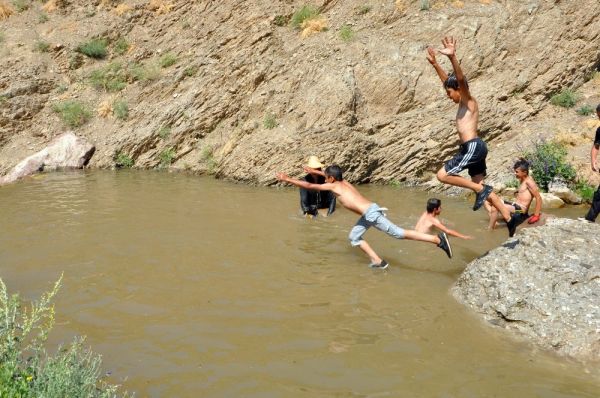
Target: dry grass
5 10
122 9
570 138
105 109
160 6
53 5
312 26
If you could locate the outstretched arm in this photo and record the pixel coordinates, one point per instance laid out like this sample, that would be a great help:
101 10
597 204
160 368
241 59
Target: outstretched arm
438 224
439 70
450 51
310 170
304 184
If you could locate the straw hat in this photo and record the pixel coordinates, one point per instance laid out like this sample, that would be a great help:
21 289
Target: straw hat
313 163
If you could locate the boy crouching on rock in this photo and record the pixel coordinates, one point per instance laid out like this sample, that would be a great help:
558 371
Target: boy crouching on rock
371 215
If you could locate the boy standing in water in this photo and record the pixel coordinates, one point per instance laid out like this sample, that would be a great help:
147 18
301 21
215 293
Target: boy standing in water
371 215
519 208
473 150
594 210
429 220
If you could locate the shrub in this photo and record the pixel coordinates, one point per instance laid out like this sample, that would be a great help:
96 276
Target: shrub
167 60
585 110
425 5
121 46
304 14
95 48
120 109
547 161
112 77
584 189
72 113
269 122
190 71
27 370
346 33
164 132
21 5
43 17
166 157
144 73
280 20
566 98
362 10
42 47
123 160
207 156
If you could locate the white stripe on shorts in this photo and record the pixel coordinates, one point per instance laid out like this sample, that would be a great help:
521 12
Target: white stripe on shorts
465 160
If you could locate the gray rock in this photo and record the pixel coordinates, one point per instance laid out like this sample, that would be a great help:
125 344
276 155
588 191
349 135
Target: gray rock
543 284
66 151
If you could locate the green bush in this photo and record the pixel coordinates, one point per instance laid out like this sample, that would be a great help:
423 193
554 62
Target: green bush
269 121
21 5
164 132
585 110
280 20
27 370
425 5
112 77
72 113
121 46
43 17
548 160
584 189
190 71
362 10
144 73
42 46
304 14
95 48
346 33
123 160
121 109
566 98
167 60
166 157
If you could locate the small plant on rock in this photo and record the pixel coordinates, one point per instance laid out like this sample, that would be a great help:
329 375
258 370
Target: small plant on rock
280 20
120 109
166 157
425 5
167 60
95 48
269 122
123 160
346 33
164 132
304 14
43 17
190 71
21 5
42 46
144 73
585 110
72 113
121 46
112 77
566 98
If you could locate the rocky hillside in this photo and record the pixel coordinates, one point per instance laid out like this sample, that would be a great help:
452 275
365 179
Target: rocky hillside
233 88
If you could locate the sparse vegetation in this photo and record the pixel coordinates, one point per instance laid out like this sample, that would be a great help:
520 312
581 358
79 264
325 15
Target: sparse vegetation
164 132
112 77
121 46
280 20
21 5
207 156
190 71
304 14
566 98
43 17
269 121
186 25
120 109
123 160
167 60
346 33
548 160
166 157
512 183
585 110
72 113
95 48
584 189
365 9
144 73
62 88
42 46
27 370
424 5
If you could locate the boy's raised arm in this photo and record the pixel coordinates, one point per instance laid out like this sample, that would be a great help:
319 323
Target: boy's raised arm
303 184
440 71
450 51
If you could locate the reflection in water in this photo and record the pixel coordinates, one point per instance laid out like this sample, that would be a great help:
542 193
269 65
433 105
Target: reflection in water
190 286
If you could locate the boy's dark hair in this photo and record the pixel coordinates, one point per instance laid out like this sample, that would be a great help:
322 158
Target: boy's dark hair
334 171
522 164
598 108
452 82
433 204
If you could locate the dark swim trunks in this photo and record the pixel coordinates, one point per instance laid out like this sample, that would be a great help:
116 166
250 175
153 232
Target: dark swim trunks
519 215
471 156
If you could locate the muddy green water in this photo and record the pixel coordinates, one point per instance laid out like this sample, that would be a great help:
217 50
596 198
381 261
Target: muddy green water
194 287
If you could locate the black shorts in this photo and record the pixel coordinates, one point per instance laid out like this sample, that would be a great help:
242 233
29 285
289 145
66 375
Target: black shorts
471 156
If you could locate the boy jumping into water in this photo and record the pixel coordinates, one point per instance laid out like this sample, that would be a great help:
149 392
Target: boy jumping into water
473 150
519 208
429 220
371 215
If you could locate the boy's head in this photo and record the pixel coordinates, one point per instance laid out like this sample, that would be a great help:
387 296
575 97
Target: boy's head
335 172
434 206
453 88
521 168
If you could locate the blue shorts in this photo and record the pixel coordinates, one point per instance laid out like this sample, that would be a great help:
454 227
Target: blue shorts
374 217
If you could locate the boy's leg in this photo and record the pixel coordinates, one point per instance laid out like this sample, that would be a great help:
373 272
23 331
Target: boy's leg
375 259
458 181
595 208
356 239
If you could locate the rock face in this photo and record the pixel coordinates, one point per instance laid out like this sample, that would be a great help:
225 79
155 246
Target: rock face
248 95
66 151
543 284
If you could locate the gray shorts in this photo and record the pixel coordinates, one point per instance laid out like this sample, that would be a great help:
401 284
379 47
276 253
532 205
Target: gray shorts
374 217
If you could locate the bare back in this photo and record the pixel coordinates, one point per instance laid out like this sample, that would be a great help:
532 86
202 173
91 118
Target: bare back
425 223
349 197
467 118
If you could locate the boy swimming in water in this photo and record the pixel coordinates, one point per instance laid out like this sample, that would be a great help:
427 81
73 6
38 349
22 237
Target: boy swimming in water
519 208
371 215
429 220
473 150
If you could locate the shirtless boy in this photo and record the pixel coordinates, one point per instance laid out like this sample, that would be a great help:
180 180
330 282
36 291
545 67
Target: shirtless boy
371 215
429 220
473 150
519 208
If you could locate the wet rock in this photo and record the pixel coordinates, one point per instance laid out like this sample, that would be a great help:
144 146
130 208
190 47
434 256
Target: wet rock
550 201
544 285
563 192
66 151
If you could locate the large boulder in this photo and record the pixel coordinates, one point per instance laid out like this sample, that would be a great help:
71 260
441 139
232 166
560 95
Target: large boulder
543 284
65 152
